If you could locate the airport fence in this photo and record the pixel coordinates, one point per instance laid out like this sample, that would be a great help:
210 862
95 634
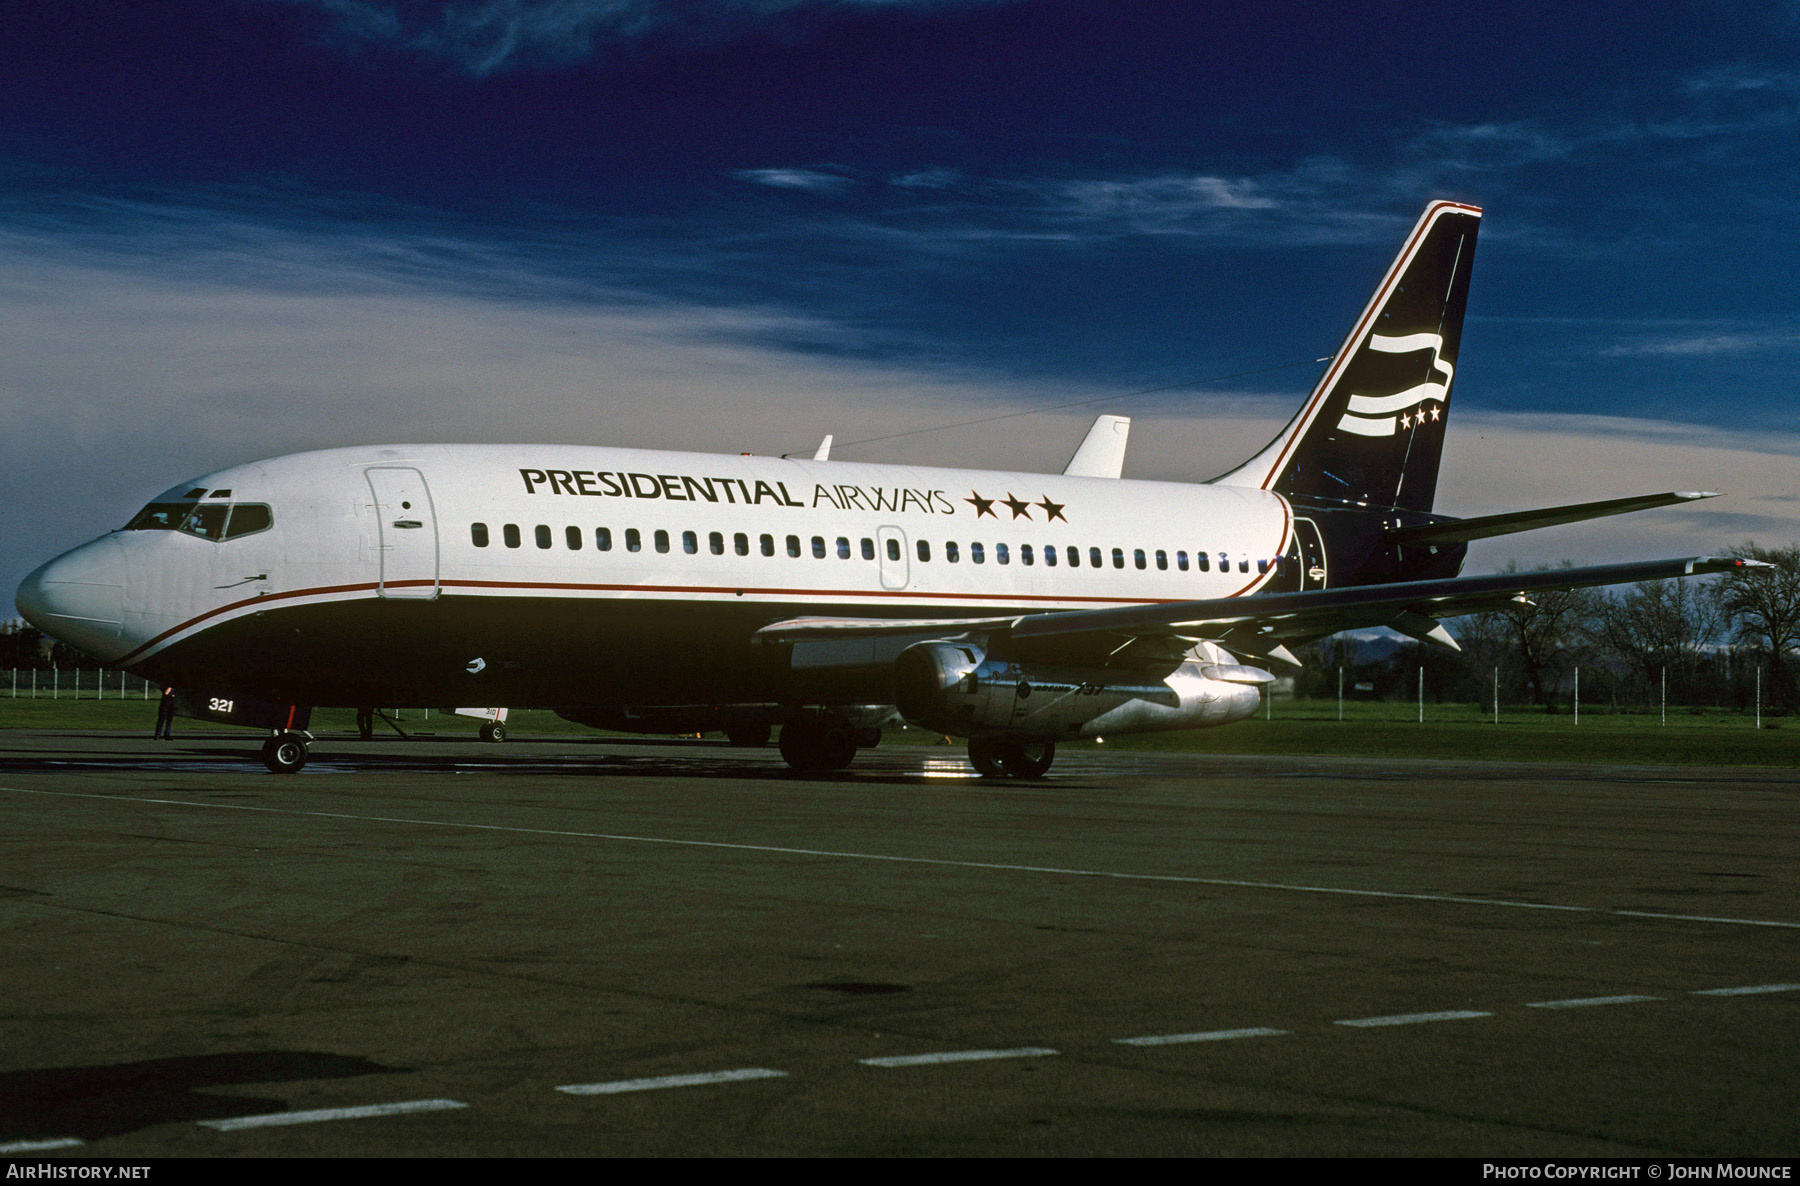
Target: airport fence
73 683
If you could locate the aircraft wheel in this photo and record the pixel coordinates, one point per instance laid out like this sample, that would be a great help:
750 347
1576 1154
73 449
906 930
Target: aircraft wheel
984 755
1028 759
285 753
749 736
493 731
815 745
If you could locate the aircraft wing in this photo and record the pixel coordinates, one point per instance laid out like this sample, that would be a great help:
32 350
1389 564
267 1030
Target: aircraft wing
1260 625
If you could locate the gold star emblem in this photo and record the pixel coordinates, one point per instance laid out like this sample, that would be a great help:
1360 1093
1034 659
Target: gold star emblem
1019 509
983 506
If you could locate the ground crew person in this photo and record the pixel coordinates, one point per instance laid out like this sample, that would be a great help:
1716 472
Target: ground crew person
165 716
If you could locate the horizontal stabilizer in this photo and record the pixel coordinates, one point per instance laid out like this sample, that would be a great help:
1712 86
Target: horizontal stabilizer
1102 452
1450 531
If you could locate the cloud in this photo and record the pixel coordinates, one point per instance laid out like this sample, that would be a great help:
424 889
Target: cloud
484 37
812 179
936 178
1700 345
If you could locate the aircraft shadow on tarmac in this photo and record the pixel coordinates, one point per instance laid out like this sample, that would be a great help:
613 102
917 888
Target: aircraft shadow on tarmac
93 1103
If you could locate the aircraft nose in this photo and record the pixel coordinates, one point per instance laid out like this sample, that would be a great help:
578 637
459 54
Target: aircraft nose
79 597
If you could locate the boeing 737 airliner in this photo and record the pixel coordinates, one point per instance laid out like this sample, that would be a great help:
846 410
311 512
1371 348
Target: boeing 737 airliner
665 592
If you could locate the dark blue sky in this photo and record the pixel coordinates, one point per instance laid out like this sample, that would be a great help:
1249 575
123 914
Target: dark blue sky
1017 198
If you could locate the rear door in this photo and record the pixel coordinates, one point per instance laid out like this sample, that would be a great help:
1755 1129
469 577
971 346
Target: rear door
407 531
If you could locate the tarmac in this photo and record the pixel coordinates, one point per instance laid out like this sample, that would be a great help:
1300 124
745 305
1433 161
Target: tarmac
607 946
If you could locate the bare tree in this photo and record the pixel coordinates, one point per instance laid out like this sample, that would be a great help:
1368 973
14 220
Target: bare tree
1763 605
1547 632
1662 626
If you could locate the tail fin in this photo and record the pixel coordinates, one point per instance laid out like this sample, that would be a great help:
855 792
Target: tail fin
1372 432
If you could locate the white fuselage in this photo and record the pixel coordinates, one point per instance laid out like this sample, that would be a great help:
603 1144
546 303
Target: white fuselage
542 560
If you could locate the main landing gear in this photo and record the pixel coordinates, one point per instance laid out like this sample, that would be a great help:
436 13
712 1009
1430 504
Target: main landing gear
493 731
994 758
286 752
818 743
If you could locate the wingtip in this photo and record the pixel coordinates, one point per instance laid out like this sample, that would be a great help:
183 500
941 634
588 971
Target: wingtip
1690 495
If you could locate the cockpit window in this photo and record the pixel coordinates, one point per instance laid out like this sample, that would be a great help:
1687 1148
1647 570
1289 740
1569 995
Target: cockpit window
207 520
215 520
247 518
160 516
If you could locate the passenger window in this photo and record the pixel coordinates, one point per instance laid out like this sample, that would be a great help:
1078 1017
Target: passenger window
1050 555
793 543
573 535
248 518
1243 564
1162 560
1094 560
975 554
818 545
1074 555
868 548
1025 557
603 538
542 535
1181 561
740 543
662 540
1224 562
1204 561
510 533
1262 566
478 534
843 548
768 545
924 551
893 549
1118 557
633 541
690 543
950 551
715 543
1000 555
1137 557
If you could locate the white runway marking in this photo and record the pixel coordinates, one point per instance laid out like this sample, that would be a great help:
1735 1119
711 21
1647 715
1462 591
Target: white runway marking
276 1119
41 1146
924 1060
1744 992
619 1086
1208 1036
783 850
1584 1002
1413 1018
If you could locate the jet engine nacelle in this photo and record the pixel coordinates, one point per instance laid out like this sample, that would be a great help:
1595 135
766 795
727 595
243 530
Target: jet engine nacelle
957 688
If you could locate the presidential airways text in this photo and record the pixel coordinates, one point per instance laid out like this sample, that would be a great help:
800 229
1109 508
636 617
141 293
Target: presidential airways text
686 488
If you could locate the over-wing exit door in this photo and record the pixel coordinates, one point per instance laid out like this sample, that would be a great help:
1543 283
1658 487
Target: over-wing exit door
407 532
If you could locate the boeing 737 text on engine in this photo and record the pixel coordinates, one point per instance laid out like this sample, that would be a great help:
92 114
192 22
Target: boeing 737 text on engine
678 592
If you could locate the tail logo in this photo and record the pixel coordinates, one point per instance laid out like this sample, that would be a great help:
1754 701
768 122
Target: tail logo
1373 415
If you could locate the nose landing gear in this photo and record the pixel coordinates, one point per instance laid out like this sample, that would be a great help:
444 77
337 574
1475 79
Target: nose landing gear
286 752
